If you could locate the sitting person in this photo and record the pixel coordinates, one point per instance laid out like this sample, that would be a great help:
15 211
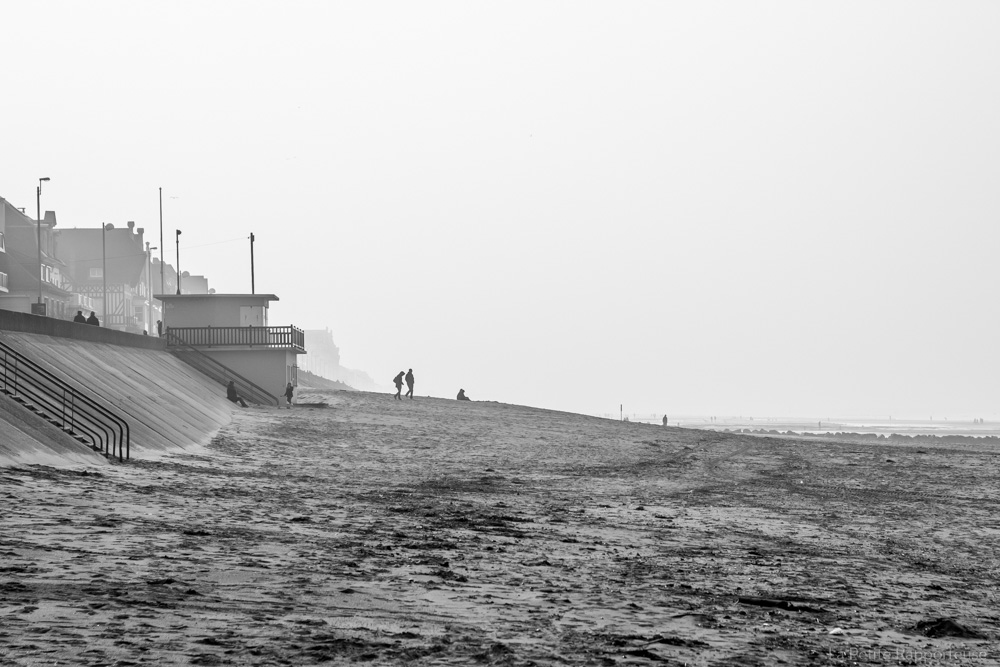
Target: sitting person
461 396
232 395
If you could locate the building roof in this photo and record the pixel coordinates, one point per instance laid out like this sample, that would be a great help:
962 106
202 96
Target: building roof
119 248
166 297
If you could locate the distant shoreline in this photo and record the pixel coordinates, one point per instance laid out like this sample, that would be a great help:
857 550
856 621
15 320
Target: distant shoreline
897 438
842 427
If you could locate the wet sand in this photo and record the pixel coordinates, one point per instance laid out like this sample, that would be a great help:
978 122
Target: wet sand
438 532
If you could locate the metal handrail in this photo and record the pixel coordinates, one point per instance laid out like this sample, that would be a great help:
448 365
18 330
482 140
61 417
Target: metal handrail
217 370
64 405
281 337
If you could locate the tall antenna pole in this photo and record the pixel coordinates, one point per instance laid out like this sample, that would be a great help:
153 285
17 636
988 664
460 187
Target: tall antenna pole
252 287
163 285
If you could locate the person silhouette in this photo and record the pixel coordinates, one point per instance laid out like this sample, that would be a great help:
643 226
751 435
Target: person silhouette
93 319
232 395
398 381
409 384
79 317
289 392
461 396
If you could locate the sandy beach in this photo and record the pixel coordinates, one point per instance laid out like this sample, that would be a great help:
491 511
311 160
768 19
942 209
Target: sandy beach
438 532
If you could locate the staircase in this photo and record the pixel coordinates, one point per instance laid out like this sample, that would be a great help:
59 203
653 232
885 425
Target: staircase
218 371
56 401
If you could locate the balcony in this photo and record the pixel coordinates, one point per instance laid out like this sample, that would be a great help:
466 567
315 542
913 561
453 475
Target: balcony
288 337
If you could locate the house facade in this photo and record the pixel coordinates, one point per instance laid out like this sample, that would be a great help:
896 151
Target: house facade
123 298
23 283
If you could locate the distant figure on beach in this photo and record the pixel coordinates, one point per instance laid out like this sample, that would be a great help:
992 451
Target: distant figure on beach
93 319
289 392
409 383
461 396
664 420
232 395
79 317
398 381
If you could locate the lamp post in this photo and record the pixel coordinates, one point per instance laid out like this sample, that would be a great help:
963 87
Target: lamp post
252 290
163 285
177 240
104 274
40 309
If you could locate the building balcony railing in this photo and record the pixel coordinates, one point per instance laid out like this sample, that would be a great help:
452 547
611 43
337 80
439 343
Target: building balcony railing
269 337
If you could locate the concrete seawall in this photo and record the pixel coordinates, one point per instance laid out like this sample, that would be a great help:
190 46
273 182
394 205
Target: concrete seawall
167 404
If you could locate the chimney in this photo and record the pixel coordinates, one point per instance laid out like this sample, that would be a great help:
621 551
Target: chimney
50 218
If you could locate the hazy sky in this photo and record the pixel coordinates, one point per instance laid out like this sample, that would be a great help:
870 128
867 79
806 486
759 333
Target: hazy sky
730 208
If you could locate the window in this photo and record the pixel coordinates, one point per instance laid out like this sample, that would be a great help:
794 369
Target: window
96 272
2 247
3 281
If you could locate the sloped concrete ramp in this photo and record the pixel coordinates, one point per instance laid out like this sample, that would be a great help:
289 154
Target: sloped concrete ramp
167 404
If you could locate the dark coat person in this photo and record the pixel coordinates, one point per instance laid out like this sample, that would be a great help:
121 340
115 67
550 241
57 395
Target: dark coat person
93 319
409 383
461 396
398 381
289 393
79 317
232 395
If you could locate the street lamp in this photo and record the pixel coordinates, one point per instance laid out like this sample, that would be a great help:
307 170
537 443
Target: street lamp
104 273
177 239
40 310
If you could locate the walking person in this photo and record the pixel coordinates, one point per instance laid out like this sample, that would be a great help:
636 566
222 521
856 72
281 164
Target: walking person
289 392
93 319
398 381
409 383
80 318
